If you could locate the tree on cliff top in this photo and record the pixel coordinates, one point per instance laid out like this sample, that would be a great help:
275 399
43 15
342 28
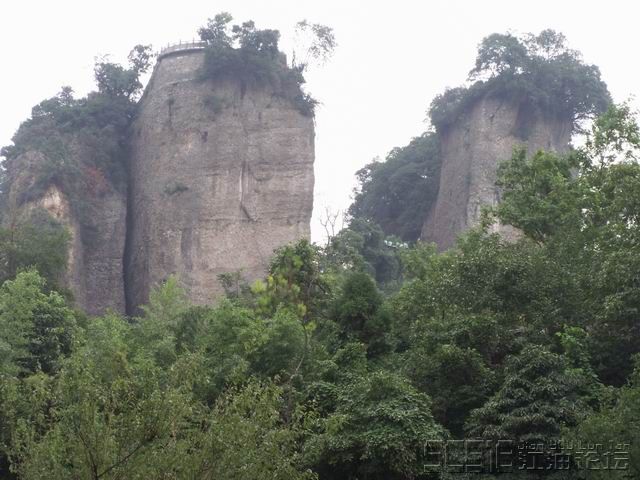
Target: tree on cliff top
252 56
539 71
117 81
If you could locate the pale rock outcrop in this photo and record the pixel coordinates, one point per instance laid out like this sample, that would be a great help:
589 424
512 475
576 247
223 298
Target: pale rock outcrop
472 149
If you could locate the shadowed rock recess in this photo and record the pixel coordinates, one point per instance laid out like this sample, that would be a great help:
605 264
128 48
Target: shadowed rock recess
472 149
221 174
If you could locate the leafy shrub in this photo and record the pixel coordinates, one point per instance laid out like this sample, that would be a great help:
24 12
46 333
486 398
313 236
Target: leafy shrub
363 246
175 187
37 241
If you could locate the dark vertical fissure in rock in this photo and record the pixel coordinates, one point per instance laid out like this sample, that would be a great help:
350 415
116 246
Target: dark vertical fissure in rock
127 254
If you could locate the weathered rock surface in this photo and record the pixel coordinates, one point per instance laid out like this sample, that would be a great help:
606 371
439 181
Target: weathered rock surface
95 273
472 149
220 176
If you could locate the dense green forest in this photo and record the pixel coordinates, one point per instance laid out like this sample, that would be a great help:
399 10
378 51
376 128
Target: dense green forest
353 360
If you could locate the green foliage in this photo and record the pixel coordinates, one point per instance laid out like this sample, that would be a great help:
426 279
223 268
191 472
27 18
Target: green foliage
115 412
360 312
78 145
61 129
37 331
614 136
613 425
238 344
377 431
117 81
246 438
396 193
294 281
251 56
583 209
538 72
216 30
120 407
235 286
158 327
36 328
363 246
457 380
320 371
515 283
550 184
37 241
540 394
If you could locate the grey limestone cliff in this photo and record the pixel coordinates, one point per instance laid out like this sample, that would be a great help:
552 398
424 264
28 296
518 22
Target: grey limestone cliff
220 173
472 149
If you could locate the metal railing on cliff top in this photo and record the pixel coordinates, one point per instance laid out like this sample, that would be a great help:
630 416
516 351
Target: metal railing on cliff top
182 46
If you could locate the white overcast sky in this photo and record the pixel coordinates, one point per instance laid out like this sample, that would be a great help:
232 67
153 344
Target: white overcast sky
393 57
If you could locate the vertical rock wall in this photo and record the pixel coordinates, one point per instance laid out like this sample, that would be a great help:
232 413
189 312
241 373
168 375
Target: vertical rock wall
95 268
220 176
472 149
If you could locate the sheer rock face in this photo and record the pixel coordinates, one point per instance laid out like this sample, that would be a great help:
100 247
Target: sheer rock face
220 176
472 149
94 273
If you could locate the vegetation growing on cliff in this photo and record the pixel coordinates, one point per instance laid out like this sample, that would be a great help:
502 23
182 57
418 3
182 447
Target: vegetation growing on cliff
75 144
539 72
396 193
250 55
315 373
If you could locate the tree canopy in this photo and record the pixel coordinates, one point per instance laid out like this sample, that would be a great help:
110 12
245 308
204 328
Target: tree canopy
538 71
252 56
316 372
397 193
